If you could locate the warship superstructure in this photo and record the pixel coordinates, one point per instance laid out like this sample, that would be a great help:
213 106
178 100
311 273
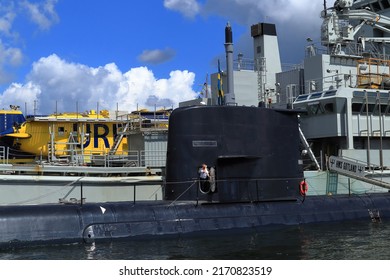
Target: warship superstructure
343 86
346 93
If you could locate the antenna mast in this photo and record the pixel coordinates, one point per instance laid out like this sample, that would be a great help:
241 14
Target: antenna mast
325 13
206 84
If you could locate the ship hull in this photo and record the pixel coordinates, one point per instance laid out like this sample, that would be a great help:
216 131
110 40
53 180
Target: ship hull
88 223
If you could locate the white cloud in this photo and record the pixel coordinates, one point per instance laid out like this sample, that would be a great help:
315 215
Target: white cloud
295 19
189 8
8 57
42 13
21 95
247 12
251 11
56 83
6 22
156 56
13 56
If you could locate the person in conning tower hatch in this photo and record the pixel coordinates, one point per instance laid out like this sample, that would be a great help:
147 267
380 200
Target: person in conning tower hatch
204 178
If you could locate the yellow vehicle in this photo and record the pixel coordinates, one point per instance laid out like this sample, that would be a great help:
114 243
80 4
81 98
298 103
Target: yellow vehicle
10 117
70 135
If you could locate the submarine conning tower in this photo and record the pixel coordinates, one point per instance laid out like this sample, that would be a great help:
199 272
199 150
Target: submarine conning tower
253 152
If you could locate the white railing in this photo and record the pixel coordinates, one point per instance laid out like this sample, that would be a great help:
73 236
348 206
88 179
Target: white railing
133 158
4 151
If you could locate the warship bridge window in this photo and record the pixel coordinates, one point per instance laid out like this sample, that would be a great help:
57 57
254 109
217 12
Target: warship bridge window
362 94
321 108
357 108
315 95
315 108
387 112
383 109
330 93
358 94
329 107
302 97
370 108
376 6
385 4
361 108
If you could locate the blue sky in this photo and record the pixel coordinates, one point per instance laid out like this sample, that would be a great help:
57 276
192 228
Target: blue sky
132 54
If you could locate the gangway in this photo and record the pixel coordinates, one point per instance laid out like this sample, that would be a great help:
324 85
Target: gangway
354 170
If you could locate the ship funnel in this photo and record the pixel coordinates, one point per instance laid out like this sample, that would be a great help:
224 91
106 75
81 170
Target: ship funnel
228 34
230 98
267 58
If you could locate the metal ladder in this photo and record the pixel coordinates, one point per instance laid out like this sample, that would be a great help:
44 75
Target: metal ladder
118 139
306 144
51 149
73 146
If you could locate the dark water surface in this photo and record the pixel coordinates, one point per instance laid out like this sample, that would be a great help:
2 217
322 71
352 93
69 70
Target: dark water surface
340 241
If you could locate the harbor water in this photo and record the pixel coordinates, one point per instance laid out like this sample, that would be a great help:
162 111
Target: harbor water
363 240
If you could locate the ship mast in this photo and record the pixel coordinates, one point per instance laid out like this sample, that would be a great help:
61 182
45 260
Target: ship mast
230 98
325 12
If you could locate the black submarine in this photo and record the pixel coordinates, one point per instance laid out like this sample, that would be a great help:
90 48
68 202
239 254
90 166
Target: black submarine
256 182
255 155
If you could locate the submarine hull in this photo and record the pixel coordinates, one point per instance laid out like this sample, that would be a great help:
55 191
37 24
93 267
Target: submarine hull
254 159
65 224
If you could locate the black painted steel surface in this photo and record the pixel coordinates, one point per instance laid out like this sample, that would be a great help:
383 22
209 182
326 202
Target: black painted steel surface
45 224
255 153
